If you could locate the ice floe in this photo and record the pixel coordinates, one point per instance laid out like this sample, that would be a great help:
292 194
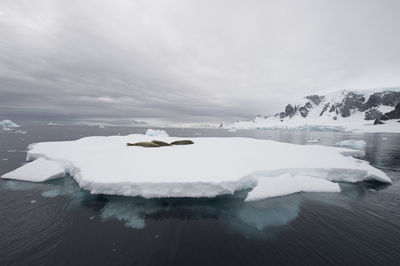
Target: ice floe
8 124
285 184
312 140
207 168
352 144
37 171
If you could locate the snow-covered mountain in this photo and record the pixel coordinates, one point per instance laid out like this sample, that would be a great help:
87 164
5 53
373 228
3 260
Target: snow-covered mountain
348 110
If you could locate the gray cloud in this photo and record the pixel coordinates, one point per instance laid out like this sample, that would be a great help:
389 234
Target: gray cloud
189 61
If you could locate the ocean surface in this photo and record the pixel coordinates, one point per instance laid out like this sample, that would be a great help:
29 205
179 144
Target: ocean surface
57 223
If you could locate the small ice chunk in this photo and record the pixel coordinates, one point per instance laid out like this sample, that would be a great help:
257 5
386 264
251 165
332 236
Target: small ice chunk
156 133
232 130
312 139
39 170
7 124
352 144
268 187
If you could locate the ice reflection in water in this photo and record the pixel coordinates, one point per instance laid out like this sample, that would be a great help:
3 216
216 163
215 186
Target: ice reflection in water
250 218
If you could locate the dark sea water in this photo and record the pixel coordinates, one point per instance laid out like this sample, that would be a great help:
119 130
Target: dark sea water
57 223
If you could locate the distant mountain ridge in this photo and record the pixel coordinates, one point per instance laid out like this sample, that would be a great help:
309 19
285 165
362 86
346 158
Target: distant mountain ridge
345 103
336 109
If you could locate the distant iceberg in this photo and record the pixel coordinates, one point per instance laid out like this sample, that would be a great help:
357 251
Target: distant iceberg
8 124
207 168
156 133
54 124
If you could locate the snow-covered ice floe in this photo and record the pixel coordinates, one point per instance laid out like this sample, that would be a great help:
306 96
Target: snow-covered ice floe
353 144
207 168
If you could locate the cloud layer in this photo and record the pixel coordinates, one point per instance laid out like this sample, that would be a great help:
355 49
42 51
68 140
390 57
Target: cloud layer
189 61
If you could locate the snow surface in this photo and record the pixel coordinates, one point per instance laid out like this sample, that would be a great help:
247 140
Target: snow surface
8 124
207 168
352 144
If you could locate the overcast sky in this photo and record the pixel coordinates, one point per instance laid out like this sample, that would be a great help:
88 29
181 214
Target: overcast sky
189 61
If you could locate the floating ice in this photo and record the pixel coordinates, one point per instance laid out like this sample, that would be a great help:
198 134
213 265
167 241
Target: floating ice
352 144
156 133
268 187
19 131
37 171
210 167
8 125
312 140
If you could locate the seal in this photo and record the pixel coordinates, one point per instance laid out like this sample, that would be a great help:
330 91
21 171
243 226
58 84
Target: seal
160 143
143 144
182 142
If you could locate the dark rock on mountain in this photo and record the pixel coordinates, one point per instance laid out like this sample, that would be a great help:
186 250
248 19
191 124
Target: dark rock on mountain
352 101
303 111
395 114
290 110
372 114
389 98
315 98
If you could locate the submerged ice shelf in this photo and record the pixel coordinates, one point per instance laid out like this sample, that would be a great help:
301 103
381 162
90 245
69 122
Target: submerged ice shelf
210 167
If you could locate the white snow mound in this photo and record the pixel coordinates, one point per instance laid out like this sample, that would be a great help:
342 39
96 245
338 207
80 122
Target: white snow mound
207 168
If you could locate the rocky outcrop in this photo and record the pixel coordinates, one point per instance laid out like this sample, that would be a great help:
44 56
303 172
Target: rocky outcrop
290 110
351 101
389 98
315 98
395 114
372 114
